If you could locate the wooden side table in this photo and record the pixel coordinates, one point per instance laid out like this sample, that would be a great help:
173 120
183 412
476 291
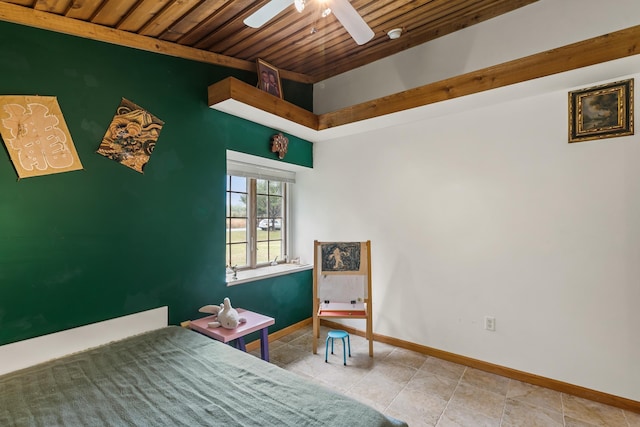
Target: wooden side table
255 322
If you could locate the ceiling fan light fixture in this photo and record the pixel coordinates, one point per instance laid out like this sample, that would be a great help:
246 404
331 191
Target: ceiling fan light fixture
395 33
299 5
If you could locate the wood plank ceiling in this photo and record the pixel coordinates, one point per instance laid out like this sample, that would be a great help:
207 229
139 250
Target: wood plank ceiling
300 43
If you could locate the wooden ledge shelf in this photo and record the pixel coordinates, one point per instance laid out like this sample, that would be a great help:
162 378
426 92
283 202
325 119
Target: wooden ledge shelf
240 99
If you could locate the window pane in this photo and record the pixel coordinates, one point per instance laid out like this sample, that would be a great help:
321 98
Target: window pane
275 187
239 184
275 234
275 250
261 206
238 254
262 186
262 252
238 205
238 235
275 206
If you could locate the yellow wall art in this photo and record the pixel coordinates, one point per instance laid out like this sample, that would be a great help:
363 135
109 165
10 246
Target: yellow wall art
36 136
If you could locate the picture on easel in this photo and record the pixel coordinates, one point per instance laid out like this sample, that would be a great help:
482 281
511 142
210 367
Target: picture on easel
341 257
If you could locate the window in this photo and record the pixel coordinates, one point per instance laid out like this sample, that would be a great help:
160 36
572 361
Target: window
256 214
256 221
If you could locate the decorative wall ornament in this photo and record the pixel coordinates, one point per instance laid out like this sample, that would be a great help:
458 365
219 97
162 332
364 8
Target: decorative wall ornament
36 136
604 111
279 144
132 136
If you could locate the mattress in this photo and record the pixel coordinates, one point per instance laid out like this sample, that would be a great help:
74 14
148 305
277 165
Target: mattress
172 377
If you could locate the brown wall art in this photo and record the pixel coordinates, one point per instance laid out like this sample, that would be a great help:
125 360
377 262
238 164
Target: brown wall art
132 136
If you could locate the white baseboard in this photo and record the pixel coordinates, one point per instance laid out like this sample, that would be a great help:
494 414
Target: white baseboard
30 352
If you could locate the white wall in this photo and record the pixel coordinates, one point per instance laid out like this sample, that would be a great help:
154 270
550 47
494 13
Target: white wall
491 212
537 27
485 209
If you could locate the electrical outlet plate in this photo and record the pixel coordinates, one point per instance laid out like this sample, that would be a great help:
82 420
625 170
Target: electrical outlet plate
490 323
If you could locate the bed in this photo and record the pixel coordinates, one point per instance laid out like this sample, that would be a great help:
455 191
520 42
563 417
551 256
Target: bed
172 377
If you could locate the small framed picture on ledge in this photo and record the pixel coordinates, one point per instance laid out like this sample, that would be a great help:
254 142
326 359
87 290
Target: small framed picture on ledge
269 79
604 111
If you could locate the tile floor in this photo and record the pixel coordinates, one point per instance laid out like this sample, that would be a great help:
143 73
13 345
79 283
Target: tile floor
426 391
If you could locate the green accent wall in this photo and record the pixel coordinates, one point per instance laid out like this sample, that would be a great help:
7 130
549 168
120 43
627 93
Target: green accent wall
85 246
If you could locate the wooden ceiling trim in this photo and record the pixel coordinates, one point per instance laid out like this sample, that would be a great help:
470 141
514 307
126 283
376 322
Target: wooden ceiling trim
53 6
163 20
433 14
202 37
83 10
113 12
223 36
394 16
275 52
240 31
142 13
228 12
198 16
593 51
318 53
277 29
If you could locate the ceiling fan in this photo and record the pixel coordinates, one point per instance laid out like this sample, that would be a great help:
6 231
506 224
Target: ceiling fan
342 9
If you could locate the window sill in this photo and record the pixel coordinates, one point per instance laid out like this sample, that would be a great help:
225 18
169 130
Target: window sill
246 276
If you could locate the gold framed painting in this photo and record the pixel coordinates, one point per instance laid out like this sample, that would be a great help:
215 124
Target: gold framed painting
603 111
269 78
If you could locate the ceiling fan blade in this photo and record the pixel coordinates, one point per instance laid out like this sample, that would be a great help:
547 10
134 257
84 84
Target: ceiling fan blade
352 21
266 13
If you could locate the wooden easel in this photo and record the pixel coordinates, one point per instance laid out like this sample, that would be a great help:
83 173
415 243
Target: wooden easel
342 285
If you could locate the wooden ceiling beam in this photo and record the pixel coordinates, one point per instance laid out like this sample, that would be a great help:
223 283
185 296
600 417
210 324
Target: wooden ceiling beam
61 24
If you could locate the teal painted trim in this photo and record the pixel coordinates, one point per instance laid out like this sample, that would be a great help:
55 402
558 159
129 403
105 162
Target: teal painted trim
85 246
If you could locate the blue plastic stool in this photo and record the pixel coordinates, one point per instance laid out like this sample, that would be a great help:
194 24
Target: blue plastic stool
337 334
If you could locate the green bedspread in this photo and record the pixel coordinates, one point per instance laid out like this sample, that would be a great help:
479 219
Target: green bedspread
172 377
